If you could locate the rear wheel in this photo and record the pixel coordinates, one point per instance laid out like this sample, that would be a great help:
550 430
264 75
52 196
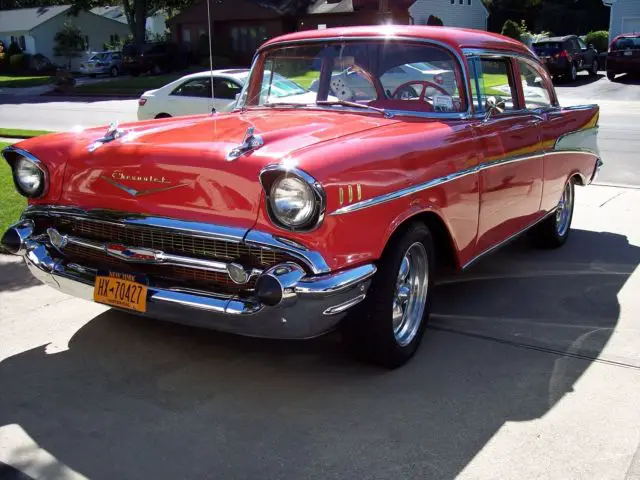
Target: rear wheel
163 115
554 230
593 71
387 327
114 71
573 73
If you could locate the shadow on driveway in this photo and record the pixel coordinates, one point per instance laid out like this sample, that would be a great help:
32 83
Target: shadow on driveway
138 398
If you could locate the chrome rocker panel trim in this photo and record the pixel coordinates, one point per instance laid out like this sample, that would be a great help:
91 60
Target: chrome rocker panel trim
313 307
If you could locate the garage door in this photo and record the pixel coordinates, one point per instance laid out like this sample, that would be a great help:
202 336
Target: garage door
630 25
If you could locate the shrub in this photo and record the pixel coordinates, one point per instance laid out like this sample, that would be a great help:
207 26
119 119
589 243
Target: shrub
433 20
14 49
511 29
599 39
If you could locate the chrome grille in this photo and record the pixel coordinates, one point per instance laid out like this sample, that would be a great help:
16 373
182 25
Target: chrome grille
169 241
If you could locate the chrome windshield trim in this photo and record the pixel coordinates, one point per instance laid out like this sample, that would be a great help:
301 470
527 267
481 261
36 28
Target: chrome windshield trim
400 38
404 192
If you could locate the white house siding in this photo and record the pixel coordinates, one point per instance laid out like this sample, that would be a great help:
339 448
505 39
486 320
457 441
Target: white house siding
625 17
452 15
97 28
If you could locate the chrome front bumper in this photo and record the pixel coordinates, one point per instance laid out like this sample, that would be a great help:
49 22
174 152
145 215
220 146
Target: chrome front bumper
312 305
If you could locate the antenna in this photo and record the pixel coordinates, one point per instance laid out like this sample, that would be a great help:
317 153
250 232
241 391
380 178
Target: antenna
213 97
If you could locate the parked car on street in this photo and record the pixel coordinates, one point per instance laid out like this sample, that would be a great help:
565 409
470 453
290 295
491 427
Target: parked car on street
565 56
155 58
102 63
191 94
624 55
287 219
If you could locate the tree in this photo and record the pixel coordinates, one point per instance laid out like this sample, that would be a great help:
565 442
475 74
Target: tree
68 43
433 20
511 29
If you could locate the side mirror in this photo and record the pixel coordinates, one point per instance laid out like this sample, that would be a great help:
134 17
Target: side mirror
492 106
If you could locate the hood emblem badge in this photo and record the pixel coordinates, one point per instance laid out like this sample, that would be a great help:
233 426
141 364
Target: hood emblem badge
111 134
250 142
118 175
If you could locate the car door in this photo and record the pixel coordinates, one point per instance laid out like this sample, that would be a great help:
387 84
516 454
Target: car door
191 97
510 151
225 91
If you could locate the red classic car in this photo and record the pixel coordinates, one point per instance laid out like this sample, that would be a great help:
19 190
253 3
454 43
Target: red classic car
332 200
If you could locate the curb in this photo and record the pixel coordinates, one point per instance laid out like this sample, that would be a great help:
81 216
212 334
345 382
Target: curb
124 96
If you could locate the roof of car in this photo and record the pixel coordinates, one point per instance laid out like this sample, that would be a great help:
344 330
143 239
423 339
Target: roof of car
456 38
229 72
555 39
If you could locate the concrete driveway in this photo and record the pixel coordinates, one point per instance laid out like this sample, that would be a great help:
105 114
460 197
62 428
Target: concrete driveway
530 370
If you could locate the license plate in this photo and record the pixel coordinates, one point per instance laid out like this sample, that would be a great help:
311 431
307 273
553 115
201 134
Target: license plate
123 290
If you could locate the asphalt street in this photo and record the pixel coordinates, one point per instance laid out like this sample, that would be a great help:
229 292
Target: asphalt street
619 137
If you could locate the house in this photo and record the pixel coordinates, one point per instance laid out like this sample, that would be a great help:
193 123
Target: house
155 24
238 27
34 29
624 17
453 13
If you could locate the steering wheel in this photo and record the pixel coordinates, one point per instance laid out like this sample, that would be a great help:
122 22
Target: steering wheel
425 83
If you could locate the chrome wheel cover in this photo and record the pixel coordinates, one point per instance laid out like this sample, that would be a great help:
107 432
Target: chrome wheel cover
410 296
563 212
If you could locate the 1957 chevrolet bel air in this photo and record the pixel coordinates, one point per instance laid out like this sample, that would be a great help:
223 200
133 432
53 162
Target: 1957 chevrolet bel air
329 205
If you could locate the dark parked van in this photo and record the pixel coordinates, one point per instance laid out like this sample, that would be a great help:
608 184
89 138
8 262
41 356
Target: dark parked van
153 58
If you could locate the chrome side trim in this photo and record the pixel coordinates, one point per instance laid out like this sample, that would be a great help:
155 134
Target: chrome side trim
333 283
370 202
507 240
596 170
270 173
584 140
386 38
39 165
484 52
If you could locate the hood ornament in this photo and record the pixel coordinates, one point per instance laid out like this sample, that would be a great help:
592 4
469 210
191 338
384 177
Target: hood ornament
250 142
112 133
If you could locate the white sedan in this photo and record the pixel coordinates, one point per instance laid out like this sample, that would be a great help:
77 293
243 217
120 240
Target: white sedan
191 94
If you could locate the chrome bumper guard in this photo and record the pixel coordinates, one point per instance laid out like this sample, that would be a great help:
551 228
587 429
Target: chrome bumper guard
310 305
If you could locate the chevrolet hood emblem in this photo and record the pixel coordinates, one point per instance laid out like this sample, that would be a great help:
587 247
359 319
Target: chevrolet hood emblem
163 183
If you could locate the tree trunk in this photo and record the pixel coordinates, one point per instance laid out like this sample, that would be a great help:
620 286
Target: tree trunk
130 14
140 7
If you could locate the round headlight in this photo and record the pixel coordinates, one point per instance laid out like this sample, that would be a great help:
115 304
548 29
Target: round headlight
29 177
292 201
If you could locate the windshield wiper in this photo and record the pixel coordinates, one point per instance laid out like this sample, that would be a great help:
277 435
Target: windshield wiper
347 103
284 104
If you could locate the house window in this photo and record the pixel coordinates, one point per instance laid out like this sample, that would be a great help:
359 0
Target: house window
461 2
21 42
186 35
114 39
453 2
468 2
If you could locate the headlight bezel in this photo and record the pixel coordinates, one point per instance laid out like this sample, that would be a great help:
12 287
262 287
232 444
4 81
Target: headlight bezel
13 156
275 173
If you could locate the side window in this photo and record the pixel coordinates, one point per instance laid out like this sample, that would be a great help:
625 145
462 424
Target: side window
581 43
535 91
198 87
225 89
493 78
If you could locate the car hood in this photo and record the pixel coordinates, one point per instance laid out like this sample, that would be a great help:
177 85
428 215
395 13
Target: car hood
179 168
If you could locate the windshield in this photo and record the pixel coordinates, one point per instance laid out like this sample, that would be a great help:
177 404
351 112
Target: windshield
387 75
626 42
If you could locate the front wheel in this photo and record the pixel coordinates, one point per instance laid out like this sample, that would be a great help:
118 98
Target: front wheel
553 231
387 327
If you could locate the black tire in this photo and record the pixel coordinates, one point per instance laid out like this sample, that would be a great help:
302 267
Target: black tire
593 71
548 234
611 75
163 115
368 330
572 74
114 71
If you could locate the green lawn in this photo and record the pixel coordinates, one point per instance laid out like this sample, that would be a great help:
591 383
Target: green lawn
20 133
11 202
306 79
20 81
131 85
